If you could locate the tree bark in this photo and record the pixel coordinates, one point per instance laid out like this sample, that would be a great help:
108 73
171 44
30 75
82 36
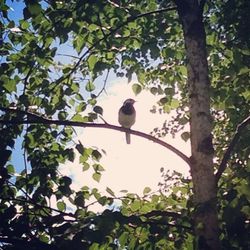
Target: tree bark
204 185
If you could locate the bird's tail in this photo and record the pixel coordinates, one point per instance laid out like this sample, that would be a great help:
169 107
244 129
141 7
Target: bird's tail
128 140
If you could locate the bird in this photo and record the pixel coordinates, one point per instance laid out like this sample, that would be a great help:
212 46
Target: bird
126 116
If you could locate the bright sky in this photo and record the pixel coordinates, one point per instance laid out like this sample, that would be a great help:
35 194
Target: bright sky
130 167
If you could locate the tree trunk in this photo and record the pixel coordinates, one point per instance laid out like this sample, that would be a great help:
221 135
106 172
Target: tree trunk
204 185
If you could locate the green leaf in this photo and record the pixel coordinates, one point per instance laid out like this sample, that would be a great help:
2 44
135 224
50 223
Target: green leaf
94 246
96 177
85 167
62 115
79 97
141 77
110 191
80 148
79 200
154 90
246 94
185 136
31 140
136 88
92 61
11 24
244 70
98 168
183 70
183 120
146 190
146 208
79 43
24 24
70 155
174 103
163 100
96 155
123 191
90 86
126 32
66 70
98 110
10 169
44 238
81 107
103 200
135 206
124 238
79 118
35 9
9 85
246 52
86 154
92 101
155 198
61 206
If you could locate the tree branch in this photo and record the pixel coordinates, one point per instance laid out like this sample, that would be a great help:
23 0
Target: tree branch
26 243
231 146
135 220
38 119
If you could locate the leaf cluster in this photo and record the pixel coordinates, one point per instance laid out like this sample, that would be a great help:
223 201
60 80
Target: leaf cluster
39 207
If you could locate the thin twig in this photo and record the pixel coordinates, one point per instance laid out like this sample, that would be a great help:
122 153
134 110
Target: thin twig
101 27
104 84
103 119
231 146
75 57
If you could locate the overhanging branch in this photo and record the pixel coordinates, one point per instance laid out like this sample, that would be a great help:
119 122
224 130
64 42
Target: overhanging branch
37 119
231 146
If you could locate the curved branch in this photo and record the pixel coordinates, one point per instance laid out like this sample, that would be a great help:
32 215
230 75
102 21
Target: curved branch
37 119
231 146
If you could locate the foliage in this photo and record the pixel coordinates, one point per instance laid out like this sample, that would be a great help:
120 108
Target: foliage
126 37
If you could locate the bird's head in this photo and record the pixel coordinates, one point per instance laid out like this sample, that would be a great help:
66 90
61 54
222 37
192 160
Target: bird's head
129 101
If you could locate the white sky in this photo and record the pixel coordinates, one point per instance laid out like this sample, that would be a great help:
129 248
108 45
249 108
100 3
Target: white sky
130 167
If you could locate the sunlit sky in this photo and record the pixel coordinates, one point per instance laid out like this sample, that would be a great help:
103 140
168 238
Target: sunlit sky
130 167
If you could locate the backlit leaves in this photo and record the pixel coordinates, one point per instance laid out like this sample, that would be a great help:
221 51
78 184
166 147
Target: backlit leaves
61 205
52 57
92 61
136 88
90 86
96 177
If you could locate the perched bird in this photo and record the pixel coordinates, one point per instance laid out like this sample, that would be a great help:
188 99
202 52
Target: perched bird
126 116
